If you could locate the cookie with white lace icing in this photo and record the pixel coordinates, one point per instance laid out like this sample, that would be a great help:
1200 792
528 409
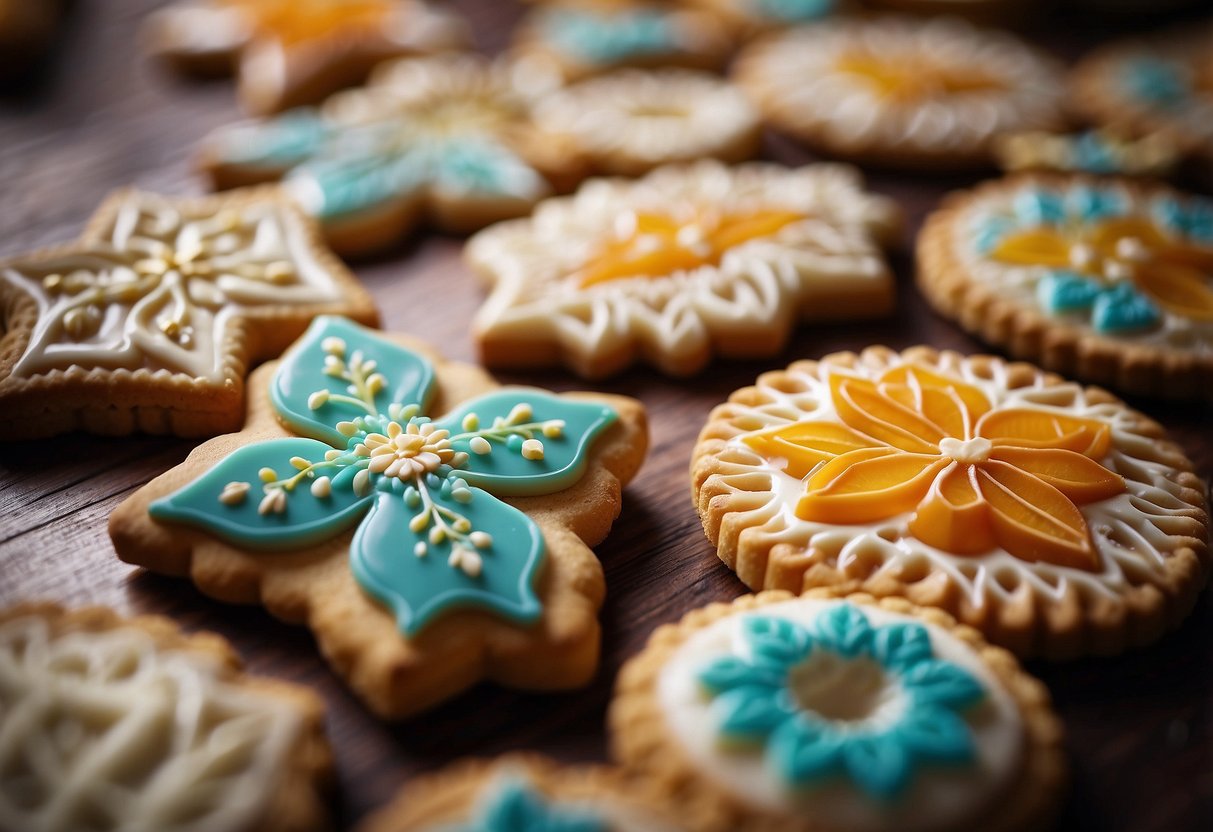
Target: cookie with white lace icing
690 261
1107 279
631 121
286 53
150 321
828 711
108 723
896 91
1050 516
523 793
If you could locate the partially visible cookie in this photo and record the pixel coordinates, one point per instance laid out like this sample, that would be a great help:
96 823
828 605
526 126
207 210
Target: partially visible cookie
425 555
689 262
286 53
631 121
572 39
113 724
1157 84
1107 279
1052 517
755 16
522 793
1101 152
828 713
920 94
151 321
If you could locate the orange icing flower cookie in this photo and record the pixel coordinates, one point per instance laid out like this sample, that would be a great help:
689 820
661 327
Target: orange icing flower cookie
292 52
901 92
1107 279
1048 515
689 261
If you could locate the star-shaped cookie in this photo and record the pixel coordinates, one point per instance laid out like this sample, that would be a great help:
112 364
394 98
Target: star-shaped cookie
152 319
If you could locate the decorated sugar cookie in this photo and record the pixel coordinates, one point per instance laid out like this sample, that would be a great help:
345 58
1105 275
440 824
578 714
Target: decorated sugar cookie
826 712
1162 84
430 527
1106 279
631 121
688 262
902 92
522 792
1100 152
1049 516
152 319
109 723
292 52
572 39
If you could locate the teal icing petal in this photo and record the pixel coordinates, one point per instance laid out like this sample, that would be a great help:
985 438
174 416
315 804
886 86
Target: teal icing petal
1157 80
1036 207
898 646
409 378
750 713
515 807
1091 152
879 764
475 165
1062 291
936 734
776 643
988 233
273 144
342 184
795 10
1124 309
305 519
420 587
504 470
605 38
1094 203
804 751
941 683
729 672
845 630
1190 217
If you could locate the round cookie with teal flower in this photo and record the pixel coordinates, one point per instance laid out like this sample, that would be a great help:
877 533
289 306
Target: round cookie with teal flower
523 793
826 711
430 527
1107 279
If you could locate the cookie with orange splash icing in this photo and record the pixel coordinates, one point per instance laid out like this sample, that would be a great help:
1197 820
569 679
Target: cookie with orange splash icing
1107 279
1048 515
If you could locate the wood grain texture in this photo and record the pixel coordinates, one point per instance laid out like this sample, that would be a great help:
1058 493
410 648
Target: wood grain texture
1140 727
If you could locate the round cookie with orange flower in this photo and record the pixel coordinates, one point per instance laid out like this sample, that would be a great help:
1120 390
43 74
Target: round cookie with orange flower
1107 279
1050 516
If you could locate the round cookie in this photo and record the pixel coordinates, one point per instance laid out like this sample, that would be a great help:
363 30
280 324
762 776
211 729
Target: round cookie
824 712
1110 280
1051 517
901 92
1099 152
522 792
108 723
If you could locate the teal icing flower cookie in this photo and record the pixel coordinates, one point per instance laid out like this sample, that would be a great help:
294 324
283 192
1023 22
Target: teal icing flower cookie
343 494
826 712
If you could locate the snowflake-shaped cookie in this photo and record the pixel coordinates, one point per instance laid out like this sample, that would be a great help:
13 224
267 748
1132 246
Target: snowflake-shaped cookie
688 261
152 319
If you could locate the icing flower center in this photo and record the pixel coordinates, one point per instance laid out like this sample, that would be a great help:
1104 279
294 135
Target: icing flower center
967 452
910 78
843 690
294 21
657 245
406 452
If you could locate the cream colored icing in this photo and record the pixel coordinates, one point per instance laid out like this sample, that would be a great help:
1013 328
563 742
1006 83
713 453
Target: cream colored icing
936 798
103 731
1133 532
652 117
757 284
797 71
158 287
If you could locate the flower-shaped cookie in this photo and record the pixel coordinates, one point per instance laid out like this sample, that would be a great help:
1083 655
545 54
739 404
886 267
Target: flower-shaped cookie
688 261
631 121
1162 84
821 712
150 321
902 92
113 723
1049 516
395 537
572 39
1107 279
292 52
450 138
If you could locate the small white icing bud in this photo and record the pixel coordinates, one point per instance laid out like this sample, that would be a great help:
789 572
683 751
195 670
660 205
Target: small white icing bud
267 475
317 400
470 563
553 429
333 366
274 502
299 463
481 540
234 493
421 550
362 483
322 488
480 445
333 345
471 422
532 449
419 522
347 428
519 414
437 535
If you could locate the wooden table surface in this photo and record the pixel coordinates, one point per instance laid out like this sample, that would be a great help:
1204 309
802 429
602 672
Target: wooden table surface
1140 727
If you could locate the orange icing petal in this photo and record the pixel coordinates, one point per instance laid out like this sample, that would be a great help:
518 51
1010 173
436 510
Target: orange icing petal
1080 478
805 445
954 517
1027 428
1036 247
619 263
1104 236
1177 288
745 227
1033 520
868 485
974 400
864 407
